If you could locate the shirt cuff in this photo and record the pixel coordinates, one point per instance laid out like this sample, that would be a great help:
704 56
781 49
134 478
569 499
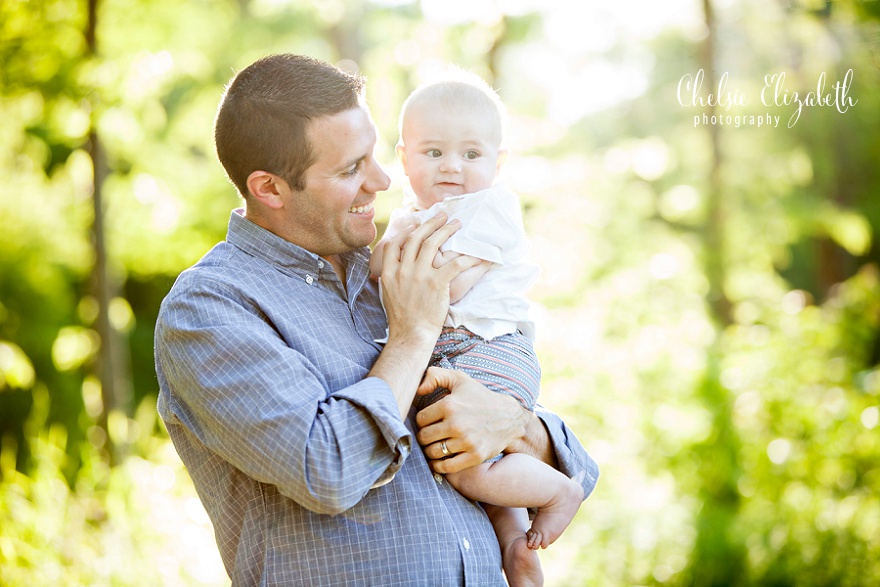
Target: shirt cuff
375 397
571 456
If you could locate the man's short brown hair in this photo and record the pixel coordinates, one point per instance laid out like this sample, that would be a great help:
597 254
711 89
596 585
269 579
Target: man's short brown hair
263 119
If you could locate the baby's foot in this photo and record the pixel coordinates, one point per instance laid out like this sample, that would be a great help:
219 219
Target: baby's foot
521 564
552 519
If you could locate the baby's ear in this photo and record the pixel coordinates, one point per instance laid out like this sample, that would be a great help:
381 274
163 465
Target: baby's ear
502 157
401 154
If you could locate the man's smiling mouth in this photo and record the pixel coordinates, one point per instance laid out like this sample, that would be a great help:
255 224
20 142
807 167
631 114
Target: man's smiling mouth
366 208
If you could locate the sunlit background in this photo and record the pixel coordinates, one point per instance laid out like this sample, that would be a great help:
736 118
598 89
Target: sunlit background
708 310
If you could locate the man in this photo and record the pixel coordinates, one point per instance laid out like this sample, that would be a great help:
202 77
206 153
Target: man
295 425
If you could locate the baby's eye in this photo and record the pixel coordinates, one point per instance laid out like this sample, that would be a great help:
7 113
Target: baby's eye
434 153
471 155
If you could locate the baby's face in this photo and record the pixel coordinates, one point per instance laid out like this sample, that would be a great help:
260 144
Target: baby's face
448 153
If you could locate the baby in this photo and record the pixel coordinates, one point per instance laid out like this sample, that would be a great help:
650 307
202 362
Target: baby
450 148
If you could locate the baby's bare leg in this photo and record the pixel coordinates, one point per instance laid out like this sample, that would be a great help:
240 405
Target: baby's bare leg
521 564
519 480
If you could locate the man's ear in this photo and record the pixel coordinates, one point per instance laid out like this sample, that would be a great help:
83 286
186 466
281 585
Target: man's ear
267 188
401 154
502 157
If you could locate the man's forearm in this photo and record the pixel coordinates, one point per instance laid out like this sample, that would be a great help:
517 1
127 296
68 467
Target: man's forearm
401 365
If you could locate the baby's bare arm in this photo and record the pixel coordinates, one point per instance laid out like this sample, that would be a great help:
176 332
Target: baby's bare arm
376 260
466 280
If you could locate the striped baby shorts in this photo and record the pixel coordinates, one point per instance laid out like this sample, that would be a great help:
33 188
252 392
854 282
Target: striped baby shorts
505 364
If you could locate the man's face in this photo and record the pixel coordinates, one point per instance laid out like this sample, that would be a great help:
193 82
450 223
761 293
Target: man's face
447 153
333 214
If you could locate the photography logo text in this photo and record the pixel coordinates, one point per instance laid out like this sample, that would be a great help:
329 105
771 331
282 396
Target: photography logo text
774 93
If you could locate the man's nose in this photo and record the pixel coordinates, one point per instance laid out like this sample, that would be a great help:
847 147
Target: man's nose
377 179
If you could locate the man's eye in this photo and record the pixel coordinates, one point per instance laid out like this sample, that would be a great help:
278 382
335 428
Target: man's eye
353 170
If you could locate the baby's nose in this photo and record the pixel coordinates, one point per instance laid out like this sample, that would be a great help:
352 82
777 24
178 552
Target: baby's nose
450 164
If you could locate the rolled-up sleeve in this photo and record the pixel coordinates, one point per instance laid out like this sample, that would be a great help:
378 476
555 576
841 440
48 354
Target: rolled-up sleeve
571 456
265 408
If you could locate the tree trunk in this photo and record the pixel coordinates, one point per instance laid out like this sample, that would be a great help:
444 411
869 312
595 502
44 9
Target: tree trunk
113 361
718 558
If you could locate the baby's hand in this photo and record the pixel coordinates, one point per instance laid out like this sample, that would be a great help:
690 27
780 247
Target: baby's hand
466 280
442 258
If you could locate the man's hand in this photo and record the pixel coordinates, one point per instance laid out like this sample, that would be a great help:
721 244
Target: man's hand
416 299
415 293
475 424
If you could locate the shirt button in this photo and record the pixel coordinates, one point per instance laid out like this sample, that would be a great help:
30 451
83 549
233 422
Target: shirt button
438 478
320 264
466 544
309 279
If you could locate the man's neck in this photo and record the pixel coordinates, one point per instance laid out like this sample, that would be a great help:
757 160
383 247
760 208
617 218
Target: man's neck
261 220
338 266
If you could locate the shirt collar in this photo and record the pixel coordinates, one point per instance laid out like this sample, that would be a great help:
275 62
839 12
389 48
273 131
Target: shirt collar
410 200
262 244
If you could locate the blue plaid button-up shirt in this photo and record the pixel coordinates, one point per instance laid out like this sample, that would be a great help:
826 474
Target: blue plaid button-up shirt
301 460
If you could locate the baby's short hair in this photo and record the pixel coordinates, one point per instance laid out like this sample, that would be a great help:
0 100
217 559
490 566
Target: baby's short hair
458 88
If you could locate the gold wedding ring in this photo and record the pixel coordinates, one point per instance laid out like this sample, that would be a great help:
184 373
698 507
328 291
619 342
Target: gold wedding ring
443 448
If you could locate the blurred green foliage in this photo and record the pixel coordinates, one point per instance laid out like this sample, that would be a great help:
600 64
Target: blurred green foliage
709 316
138 523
